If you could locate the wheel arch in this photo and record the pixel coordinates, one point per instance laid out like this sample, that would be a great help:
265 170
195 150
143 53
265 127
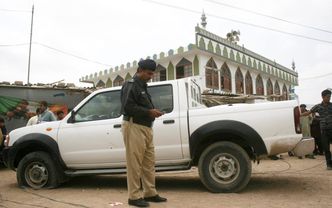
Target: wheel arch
226 130
36 142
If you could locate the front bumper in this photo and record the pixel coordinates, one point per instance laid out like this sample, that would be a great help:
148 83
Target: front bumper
8 158
304 147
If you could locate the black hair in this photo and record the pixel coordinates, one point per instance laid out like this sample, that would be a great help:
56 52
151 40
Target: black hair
326 92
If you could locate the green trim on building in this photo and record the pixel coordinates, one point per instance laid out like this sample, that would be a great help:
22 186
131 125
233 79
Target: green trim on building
202 44
249 62
231 55
128 76
260 66
238 58
109 83
244 60
170 71
218 50
196 66
225 53
255 64
210 47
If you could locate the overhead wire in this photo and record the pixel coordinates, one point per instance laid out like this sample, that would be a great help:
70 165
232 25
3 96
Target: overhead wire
15 44
13 10
57 50
70 54
238 21
268 16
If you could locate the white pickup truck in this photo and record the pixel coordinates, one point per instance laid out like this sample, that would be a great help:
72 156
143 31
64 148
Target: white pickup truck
221 141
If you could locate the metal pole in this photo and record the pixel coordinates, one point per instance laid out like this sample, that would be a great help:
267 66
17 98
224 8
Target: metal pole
28 82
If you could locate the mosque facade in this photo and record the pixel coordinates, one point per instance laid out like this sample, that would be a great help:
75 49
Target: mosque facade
222 65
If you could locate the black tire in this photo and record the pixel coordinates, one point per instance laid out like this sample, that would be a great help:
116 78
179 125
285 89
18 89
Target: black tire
224 167
37 170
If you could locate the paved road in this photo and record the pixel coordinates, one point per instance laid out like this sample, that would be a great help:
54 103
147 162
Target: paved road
290 182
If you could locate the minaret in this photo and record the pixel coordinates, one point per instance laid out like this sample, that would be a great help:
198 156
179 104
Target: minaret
203 18
293 65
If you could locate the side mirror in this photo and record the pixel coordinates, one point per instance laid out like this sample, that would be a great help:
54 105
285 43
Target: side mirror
72 117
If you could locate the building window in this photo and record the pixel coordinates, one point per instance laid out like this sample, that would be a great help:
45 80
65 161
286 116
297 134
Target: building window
248 84
259 85
100 84
183 69
277 90
226 78
211 75
238 81
118 81
269 87
160 74
284 93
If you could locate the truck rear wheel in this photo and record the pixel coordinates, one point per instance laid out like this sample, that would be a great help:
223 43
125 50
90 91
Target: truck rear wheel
37 170
224 167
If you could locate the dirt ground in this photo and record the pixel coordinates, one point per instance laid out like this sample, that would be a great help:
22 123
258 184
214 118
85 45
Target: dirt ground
289 182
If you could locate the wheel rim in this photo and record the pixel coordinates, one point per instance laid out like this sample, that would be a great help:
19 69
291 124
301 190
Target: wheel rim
36 175
224 168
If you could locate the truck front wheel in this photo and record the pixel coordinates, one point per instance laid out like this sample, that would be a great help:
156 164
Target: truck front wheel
37 170
224 167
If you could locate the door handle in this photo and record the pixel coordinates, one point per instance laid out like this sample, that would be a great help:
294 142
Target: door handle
117 126
168 121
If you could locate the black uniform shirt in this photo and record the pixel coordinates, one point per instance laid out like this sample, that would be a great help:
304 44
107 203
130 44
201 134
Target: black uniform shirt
325 115
136 101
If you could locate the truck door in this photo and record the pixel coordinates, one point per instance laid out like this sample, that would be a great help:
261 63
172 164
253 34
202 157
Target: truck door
94 139
166 129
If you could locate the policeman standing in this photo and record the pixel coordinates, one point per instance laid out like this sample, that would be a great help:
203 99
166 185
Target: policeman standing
138 116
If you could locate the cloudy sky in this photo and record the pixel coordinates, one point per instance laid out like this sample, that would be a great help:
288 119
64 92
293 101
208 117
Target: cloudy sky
74 38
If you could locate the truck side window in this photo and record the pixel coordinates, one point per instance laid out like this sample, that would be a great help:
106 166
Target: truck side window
102 106
162 97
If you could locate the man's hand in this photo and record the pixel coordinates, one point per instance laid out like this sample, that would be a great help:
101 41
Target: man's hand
155 113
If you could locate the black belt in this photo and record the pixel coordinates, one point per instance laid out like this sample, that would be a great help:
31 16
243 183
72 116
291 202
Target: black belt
137 121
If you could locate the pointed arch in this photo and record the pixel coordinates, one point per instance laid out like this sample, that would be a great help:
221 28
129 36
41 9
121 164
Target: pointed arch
160 74
239 81
128 76
284 93
259 85
109 83
202 44
249 90
100 83
210 47
118 81
170 71
218 50
226 78
276 88
269 87
184 69
211 74
196 66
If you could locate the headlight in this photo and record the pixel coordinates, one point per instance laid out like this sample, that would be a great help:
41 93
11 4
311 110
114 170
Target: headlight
6 143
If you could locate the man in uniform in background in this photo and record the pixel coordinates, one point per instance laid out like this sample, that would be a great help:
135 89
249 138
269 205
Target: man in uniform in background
324 109
138 116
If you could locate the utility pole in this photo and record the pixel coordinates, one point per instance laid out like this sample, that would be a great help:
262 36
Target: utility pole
28 82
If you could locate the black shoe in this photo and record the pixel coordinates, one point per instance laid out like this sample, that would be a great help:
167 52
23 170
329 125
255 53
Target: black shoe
274 157
138 202
155 198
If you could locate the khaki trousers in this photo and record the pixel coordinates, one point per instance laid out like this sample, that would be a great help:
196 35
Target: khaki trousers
140 158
